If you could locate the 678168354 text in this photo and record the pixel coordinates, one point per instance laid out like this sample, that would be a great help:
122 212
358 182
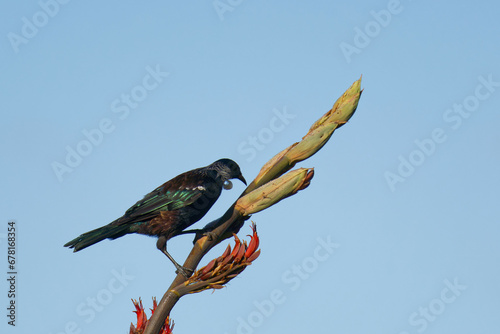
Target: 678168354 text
11 272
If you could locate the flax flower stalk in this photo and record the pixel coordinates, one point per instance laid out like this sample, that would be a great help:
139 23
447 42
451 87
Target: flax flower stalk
261 195
274 191
317 136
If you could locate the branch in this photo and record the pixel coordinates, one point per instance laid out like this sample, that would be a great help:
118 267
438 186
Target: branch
261 193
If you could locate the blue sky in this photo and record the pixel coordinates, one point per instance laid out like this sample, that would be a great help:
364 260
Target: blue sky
398 232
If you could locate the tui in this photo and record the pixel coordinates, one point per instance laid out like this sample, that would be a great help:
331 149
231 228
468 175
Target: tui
169 209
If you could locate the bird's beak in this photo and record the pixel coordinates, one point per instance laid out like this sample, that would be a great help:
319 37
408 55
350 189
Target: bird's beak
242 179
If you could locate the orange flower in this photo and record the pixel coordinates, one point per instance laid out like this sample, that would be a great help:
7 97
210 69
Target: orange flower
221 270
253 245
142 319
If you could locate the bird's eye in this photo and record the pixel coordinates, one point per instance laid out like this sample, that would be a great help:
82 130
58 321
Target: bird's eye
227 185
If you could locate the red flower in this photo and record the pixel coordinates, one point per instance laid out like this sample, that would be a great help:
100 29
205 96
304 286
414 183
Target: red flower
221 270
142 319
251 253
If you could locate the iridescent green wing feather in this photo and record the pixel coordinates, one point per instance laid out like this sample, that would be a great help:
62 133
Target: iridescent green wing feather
159 200
175 194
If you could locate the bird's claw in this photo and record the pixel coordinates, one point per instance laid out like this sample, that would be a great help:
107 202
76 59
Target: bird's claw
210 235
186 272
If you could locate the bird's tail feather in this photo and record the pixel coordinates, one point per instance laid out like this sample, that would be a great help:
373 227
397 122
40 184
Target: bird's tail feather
87 239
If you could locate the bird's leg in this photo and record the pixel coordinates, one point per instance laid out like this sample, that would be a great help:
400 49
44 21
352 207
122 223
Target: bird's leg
161 244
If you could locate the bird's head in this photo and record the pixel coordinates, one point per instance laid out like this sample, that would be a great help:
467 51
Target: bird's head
228 169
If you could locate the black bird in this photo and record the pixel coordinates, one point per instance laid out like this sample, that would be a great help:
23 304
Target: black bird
169 209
